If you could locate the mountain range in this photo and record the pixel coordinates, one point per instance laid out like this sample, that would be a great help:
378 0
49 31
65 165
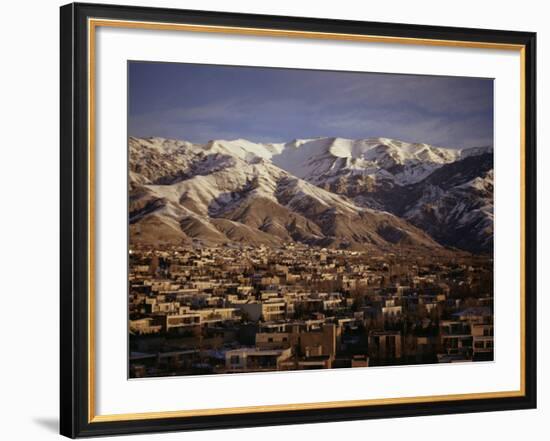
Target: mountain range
375 194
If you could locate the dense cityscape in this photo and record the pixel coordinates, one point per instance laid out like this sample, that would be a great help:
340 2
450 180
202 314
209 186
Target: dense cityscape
228 309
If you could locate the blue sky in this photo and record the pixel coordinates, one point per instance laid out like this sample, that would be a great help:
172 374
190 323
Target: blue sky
203 102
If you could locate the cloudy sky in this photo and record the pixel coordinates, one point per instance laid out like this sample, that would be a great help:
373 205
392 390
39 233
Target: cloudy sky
203 102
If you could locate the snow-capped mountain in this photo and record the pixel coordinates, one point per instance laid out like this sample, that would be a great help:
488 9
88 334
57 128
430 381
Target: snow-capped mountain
234 192
324 191
326 159
448 203
455 204
320 160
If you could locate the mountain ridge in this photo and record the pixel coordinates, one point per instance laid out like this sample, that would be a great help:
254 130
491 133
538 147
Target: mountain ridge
220 191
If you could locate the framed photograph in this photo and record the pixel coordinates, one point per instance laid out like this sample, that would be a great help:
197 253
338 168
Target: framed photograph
276 220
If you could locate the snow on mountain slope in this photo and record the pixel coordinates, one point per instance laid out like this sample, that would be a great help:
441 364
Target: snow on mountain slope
316 160
455 204
393 176
244 149
225 192
319 160
326 159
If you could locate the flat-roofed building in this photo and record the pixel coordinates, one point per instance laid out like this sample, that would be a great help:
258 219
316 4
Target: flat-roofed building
456 337
266 311
144 326
272 340
483 342
188 320
254 359
385 346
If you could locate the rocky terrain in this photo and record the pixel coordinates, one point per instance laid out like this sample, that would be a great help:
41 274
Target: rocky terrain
377 193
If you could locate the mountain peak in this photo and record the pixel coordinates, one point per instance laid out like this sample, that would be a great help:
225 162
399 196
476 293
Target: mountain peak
321 158
325 191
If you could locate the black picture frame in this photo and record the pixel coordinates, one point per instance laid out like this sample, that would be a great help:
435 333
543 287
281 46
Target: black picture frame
75 415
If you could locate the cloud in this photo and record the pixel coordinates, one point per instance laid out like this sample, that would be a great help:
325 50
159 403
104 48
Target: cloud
281 104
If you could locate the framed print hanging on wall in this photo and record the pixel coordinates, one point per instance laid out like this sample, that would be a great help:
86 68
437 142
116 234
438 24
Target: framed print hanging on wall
273 220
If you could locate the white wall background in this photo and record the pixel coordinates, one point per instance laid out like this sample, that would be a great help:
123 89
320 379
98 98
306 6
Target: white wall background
29 156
